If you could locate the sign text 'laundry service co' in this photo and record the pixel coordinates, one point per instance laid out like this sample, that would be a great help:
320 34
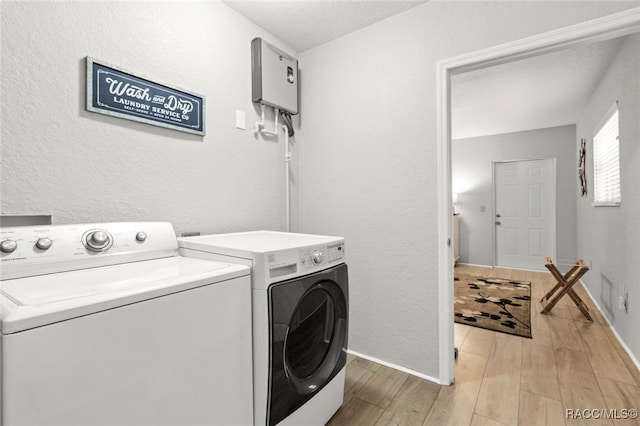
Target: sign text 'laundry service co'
115 92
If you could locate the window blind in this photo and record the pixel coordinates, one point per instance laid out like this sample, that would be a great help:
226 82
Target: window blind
606 163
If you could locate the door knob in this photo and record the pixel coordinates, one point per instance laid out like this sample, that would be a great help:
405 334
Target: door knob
497 214
498 222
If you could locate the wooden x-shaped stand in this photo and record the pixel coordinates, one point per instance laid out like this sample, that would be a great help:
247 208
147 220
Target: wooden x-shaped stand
565 282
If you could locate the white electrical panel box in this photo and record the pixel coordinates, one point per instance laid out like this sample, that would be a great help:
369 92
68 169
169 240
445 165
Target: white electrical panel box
274 76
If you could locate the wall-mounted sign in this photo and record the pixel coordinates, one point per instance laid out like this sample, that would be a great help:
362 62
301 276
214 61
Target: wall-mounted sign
115 92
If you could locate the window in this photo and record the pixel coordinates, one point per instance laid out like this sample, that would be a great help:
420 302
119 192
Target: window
606 162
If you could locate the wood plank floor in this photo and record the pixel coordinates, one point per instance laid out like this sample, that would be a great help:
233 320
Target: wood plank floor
570 363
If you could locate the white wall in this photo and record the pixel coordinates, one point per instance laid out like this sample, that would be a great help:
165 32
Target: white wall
368 157
79 166
472 178
608 237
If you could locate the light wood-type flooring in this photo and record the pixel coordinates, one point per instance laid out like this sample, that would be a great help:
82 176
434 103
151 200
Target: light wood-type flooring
570 363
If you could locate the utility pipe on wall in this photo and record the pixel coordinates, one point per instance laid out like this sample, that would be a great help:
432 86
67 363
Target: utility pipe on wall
259 126
287 160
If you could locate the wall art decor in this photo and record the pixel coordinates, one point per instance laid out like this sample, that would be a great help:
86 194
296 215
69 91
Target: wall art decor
115 92
582 153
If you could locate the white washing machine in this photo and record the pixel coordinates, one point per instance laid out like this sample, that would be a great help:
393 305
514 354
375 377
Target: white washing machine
105 324
300 319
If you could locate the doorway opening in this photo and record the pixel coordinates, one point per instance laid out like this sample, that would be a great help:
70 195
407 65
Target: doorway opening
600 29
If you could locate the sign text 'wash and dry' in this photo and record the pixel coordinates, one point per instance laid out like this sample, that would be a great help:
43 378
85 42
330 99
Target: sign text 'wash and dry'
114 92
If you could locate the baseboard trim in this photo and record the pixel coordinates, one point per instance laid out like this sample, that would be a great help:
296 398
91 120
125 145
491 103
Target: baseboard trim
501 267
394 366
474 264
613 329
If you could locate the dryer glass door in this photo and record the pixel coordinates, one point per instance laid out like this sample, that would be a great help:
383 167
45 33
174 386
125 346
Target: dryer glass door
310 334
308 337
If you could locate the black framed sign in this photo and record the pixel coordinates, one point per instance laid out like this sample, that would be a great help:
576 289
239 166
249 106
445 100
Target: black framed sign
118 93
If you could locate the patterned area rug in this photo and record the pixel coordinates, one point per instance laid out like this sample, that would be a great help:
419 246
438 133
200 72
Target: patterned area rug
493 303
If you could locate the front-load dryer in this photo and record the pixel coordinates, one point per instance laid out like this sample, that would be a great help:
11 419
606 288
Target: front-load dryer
300 319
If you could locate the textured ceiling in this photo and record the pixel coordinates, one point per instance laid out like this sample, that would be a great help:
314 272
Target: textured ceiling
544 91
303 24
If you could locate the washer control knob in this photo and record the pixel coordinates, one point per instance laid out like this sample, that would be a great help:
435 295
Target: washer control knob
141 236
44 243
98 240
317 257
8 246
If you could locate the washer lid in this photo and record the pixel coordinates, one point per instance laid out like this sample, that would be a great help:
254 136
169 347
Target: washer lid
45 299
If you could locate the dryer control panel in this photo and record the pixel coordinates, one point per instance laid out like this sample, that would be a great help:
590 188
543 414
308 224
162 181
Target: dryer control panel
285 264
316 256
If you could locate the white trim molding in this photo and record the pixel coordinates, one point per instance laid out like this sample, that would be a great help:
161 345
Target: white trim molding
606 27
394 366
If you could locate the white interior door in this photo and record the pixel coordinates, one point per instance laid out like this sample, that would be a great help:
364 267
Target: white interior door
525 213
